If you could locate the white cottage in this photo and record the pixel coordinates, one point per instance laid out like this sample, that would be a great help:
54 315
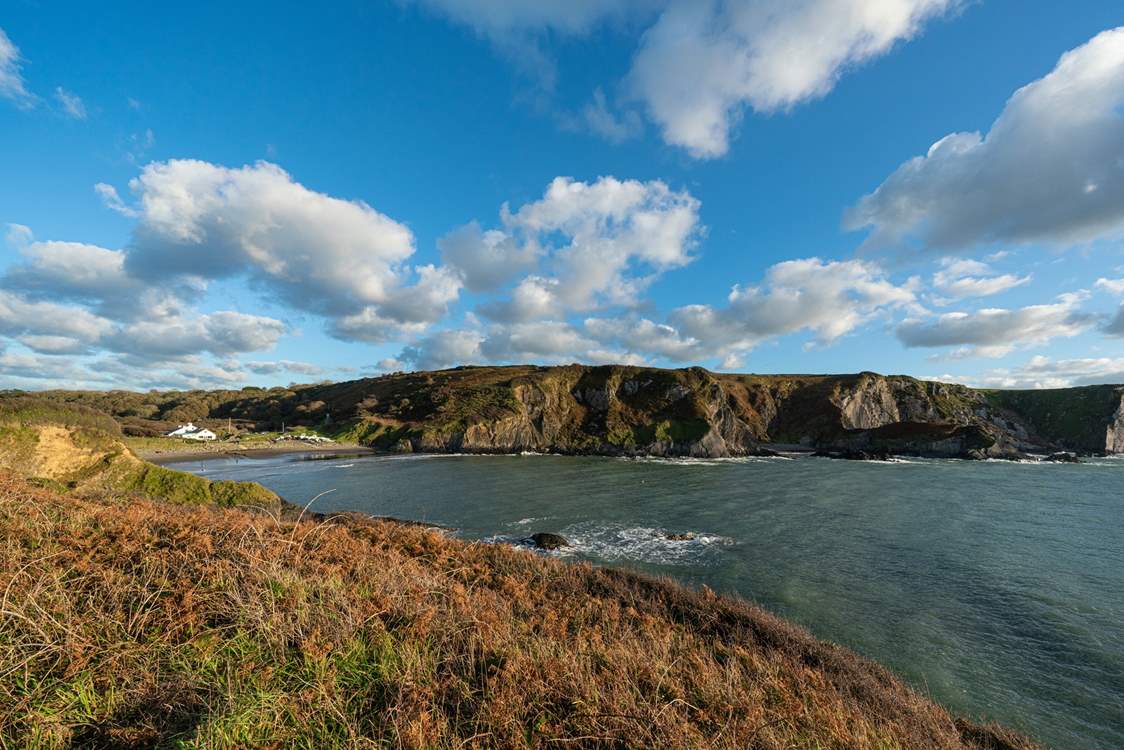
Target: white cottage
199 435
191 432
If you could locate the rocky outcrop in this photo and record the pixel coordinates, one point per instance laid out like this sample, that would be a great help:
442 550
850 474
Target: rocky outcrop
870 404
547 541
1114 433
610 410
693 412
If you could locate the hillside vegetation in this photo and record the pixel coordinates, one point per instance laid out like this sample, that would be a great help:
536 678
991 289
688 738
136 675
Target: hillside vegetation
144 624
74 448
1076 416
632 410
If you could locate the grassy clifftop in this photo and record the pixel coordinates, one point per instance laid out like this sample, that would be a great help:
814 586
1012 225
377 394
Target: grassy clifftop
147 624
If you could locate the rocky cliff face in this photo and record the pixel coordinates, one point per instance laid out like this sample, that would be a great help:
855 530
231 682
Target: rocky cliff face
1114 433
692 412
617 411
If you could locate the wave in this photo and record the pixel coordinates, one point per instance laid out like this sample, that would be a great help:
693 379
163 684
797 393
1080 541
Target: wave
691 461
528 521
613 542
620 542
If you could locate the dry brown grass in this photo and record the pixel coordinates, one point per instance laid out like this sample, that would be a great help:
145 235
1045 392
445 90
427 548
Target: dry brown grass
137 624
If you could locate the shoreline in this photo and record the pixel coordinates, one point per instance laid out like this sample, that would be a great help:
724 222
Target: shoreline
208 452
180 455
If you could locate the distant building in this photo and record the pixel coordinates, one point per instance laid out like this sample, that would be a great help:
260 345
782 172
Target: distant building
191 432
199 435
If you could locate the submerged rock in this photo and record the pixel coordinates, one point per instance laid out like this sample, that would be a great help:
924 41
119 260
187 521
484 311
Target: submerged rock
545 540
853 454
685 536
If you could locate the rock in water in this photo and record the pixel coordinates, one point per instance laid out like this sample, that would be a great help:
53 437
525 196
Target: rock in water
1063 457
543 540
685 536
855 454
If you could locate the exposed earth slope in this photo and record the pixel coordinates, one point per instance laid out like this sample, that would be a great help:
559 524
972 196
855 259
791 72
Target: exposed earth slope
76 449
633 410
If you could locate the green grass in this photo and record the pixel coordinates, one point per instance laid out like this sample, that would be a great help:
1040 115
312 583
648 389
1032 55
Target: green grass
27 411
18 443
182 488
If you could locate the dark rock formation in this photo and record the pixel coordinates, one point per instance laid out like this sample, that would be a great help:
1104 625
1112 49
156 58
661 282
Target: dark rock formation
547 541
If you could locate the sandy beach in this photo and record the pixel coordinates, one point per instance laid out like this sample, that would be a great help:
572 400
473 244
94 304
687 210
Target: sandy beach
179 453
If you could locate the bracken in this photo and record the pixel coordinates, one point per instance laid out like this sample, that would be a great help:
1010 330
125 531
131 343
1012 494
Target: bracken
132 623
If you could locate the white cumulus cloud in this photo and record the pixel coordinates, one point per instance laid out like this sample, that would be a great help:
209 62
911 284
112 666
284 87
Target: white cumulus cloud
319 253
1050 169
273 367
828 298
485 259
705 61
221 333
702 63
1044 372
600 243
1112 286
439 350
997 331
960 279
23 317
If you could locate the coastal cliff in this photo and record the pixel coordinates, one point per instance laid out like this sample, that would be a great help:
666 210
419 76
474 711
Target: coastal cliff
622 410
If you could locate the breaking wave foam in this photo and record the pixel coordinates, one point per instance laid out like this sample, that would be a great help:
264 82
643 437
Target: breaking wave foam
643 544
688 461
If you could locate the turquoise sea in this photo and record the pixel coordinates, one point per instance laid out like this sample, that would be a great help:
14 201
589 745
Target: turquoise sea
996 588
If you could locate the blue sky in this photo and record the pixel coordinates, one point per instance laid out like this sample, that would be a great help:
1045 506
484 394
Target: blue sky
269 193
